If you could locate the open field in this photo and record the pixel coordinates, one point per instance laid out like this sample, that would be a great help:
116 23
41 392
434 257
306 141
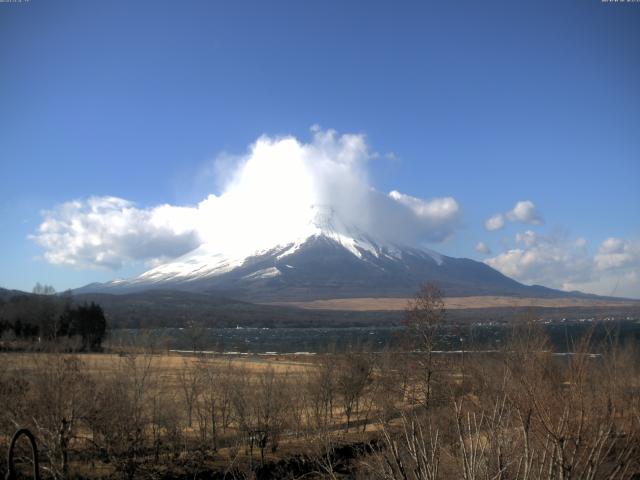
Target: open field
356 414
168 365
458 303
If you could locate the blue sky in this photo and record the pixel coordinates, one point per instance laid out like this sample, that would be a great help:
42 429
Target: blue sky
489 103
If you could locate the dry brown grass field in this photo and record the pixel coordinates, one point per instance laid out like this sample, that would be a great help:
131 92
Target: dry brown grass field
179 380
168 364
522 413
454 303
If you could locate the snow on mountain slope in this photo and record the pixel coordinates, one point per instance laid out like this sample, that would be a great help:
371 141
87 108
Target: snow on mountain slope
320 258
208 261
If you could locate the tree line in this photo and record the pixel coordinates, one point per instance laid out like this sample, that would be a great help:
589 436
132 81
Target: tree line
44 317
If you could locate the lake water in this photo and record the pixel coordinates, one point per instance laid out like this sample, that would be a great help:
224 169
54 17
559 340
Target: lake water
316 340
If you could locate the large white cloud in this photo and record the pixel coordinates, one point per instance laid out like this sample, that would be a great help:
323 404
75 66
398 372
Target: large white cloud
110 231
523 211
268 196
561 262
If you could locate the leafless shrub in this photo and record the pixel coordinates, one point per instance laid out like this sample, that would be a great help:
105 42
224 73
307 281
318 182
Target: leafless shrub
121 417
411 453
190 381
59 400
260 408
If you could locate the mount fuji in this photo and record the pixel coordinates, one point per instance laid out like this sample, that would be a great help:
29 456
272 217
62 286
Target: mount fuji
322 259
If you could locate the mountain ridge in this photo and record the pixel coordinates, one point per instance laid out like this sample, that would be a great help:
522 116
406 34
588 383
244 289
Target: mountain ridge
322 257
322 267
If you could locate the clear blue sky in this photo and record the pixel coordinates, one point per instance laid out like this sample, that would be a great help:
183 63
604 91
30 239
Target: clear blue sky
487 102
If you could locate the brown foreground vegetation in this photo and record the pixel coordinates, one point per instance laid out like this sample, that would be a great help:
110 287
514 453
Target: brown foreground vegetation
522 413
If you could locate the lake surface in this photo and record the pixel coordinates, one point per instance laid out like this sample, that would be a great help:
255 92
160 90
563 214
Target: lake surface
317 340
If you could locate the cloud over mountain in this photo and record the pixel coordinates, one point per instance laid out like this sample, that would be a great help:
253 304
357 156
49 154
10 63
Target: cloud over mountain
268 196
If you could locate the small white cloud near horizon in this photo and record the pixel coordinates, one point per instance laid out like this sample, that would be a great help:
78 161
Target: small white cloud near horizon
560 262
524 211
268 197
482 248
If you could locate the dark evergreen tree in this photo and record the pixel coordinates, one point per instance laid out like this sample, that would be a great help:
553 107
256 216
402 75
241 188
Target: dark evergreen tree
89 323
51 317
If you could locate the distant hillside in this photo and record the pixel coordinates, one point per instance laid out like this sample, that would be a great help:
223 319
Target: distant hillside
157 308
6 294
166 308
160 308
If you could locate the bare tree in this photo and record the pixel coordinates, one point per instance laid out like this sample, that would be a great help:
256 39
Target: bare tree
354 375
214 405
194 331
425 314
321 390
389 379
40 289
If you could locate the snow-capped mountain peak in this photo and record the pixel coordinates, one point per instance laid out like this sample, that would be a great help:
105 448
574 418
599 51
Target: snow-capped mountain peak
211 259
322 257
